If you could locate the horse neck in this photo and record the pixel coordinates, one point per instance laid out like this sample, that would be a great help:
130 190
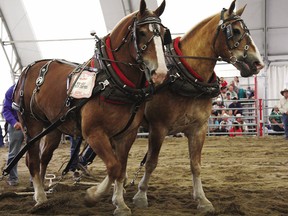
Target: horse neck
199 42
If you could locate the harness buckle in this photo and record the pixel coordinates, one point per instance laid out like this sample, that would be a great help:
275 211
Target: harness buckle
104 84
236 44
233 59
174 77
144 47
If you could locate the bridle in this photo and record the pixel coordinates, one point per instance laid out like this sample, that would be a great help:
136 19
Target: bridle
155 21
132 32
225 25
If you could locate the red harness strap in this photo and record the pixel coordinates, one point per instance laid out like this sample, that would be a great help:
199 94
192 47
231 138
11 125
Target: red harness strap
115 66
187 66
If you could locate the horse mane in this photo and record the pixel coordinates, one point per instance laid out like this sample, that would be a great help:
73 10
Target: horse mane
199 26
145 14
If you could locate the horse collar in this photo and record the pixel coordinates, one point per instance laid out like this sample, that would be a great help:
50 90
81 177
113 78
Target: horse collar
185 64
189 83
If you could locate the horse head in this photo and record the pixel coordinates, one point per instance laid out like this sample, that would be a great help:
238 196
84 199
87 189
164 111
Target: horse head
239 49
145 36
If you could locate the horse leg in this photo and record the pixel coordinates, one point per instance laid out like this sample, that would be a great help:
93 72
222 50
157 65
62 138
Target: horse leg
100 143
33 161
196 143
122 150
156 138
52 141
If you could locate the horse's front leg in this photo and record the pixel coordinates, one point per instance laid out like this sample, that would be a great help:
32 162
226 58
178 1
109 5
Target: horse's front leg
196 143
100 143
122 148
156 138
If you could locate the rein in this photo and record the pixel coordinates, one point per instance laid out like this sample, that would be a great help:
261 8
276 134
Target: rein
51 127
197 57
227 29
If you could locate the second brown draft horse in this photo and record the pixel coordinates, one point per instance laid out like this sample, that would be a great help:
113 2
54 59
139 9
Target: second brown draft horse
123 63
186 104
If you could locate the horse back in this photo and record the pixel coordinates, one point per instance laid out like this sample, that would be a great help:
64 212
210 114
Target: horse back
50 91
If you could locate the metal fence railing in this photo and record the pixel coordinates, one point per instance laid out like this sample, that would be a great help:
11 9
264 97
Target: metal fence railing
255 114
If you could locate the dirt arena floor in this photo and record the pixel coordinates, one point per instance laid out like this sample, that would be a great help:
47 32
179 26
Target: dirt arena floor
241 176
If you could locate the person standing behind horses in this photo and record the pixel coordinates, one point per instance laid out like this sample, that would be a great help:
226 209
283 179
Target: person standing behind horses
16 135
283 107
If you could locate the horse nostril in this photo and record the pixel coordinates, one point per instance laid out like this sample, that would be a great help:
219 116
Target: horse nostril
258 65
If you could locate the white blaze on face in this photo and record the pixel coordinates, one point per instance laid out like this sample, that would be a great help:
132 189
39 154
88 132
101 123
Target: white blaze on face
161 71
257 53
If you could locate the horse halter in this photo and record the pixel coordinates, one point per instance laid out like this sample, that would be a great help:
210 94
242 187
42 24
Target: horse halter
226 26
155 21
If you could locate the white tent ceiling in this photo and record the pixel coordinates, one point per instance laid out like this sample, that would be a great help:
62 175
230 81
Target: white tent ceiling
266 19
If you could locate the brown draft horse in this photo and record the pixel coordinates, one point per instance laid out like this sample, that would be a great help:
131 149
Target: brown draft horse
186 107
133 47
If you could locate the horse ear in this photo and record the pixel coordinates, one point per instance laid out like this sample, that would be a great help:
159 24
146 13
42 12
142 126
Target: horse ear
142 7
232 7
240 11
160 9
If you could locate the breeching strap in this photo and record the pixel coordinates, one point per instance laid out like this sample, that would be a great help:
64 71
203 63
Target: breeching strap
51 127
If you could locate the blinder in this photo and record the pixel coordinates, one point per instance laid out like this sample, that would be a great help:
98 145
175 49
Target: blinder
229 32
149 20
167 37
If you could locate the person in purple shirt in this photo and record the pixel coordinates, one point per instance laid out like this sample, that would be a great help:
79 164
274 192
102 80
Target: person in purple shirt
15 133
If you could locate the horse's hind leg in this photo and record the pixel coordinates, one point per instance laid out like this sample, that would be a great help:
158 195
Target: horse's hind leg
156 138
33 161
52 141
196 142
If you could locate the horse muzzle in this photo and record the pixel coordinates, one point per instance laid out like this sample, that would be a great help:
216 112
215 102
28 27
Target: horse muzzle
158 76
249 67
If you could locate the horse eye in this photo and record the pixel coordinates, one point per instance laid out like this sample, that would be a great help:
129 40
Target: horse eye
141 34
236 32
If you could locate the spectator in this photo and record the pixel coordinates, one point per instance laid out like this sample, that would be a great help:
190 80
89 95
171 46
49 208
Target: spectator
275 119
225 125
232 92
241 122
81 161
223 91
236 84
236 107
227 102
219 106
16 136
223 82
283 107
1 138
213 121
241 93
249 93
235 130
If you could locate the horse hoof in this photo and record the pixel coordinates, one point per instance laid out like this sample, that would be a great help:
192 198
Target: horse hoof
140 202
122 212
206 208
89 201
